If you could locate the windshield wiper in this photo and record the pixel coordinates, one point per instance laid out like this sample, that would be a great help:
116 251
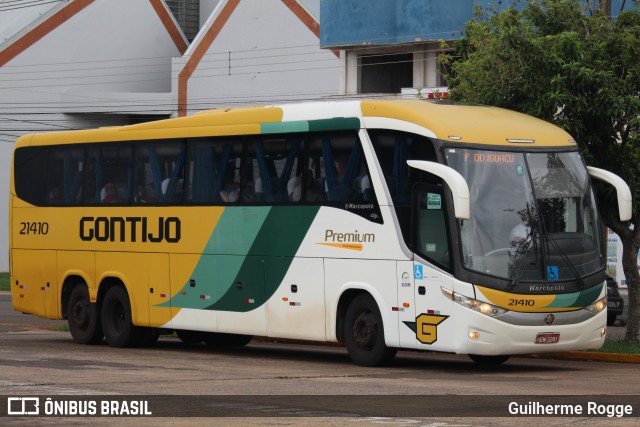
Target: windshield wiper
566 260
521 255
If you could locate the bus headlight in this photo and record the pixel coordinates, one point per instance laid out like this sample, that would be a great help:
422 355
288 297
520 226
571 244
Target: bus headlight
474 304
597 306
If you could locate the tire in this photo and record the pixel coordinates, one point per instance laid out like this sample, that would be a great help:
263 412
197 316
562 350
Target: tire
364 333
226 340
83 317
488 360
611 319
118 329
190 337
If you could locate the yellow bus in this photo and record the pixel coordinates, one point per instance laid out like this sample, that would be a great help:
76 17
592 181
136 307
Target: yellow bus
382 224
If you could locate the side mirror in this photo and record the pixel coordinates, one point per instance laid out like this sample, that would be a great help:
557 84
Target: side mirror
622 189
454 180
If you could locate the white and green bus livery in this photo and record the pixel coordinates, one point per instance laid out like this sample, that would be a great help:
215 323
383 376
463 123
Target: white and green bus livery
382 224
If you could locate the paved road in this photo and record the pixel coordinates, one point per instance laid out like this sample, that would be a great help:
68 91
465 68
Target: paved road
35 360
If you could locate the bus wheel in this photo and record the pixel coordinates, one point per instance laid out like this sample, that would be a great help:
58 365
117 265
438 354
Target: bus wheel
83 317
364 333
226 340
488 360
116 319
190 337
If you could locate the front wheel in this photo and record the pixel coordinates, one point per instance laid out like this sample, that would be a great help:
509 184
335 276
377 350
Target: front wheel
83 317
364 333
118 329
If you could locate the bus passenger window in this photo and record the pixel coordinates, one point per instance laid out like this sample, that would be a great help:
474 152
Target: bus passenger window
273 165
107 166
337 171
214 170
65 171
159 173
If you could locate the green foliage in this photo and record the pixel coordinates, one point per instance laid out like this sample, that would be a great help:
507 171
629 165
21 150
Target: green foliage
4 282
578 68
564 64
623 347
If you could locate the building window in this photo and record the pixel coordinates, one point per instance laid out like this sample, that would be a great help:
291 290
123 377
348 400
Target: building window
386 73
187 13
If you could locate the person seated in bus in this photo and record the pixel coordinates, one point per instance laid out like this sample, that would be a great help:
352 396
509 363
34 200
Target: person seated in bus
520 235
231 194
143 195
294 189
111 194
366 192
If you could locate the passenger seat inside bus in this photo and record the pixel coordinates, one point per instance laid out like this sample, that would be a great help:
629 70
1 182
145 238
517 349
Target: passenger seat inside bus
294 189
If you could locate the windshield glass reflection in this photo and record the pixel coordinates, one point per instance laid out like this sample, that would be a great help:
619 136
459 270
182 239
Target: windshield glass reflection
532 215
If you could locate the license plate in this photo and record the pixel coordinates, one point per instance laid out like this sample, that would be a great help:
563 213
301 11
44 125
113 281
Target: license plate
612 304
547 338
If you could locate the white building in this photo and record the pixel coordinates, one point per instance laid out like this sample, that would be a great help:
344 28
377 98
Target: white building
75 64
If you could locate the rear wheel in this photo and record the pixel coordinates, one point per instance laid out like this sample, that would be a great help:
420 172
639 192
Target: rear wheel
118 329
190 337
364 333
611 319
488 360
83 317
226 340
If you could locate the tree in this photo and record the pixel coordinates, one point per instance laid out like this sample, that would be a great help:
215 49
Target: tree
578 68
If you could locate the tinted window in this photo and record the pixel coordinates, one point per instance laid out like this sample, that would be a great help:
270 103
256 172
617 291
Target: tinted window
214 170
337 171
64 183
30 179
273 169
108 177
159 173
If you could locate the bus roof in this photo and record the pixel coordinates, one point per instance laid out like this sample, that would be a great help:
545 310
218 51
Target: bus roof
444 120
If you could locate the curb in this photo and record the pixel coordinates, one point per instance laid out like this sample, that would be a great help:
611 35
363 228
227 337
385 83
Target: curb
591 356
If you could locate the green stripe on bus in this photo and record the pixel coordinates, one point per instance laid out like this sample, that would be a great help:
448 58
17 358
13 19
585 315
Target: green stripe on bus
269 258
284 127
223 257
576 299
338 123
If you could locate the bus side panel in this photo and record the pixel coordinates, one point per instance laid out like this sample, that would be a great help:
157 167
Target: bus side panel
407 315
159 289
192 292
242 309
377 277
78 263
434 312
296 310
36 291
131 269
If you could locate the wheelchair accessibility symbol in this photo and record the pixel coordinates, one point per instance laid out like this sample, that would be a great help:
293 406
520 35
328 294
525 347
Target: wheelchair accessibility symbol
417 272
552 272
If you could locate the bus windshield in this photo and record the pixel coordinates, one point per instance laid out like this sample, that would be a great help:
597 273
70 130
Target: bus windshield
533 216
